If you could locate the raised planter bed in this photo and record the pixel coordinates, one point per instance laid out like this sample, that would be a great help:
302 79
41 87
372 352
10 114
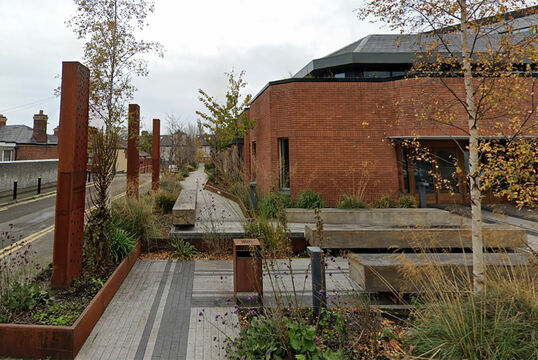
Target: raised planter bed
63 342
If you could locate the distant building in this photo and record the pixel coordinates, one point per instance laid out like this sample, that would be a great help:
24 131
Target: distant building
20 142
343 118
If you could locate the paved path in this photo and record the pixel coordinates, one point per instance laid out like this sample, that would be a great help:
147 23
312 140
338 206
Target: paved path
185 310
215 214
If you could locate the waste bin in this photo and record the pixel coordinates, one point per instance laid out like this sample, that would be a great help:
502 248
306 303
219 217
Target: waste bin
247 267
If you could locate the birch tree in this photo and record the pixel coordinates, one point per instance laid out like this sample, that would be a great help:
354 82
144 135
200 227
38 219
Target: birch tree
113 54
495 57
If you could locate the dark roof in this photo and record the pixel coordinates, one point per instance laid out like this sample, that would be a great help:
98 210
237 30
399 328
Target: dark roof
22 134
166 140
400 48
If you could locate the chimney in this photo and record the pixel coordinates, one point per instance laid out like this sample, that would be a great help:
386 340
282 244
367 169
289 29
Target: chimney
40 127
3 120
56 130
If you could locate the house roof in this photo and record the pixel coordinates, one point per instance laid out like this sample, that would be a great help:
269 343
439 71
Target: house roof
22 134
403 48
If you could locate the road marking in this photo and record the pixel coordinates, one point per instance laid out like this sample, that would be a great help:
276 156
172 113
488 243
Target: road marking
31 238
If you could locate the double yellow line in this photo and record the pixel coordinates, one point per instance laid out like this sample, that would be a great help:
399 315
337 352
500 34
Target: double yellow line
31 238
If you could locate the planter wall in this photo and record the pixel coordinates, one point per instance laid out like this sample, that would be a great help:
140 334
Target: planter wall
63 342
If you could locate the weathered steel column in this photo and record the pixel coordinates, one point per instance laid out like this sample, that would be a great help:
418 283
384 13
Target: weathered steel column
71 188
156 154
133 162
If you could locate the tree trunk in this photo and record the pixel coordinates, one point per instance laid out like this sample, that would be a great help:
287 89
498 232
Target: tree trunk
474 176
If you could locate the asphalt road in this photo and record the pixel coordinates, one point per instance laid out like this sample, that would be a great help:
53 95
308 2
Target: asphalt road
33 220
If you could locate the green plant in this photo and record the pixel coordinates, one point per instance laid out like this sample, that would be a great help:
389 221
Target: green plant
24 297
309 199
385 202
272 236
59 314
271 204
183 250
136 217
261 339
165 201
171 184
121 243
407 201
351 202
500 323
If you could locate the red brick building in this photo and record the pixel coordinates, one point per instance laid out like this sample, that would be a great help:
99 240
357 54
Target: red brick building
20 142
341 121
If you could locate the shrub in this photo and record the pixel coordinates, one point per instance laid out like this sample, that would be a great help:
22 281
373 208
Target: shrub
183 250
351 202
24 297
272 236
165 201
499 323
190 168
385 202
121 243
194 164
171 184
309 199
407 201
270 205
136 217
184 173
262 339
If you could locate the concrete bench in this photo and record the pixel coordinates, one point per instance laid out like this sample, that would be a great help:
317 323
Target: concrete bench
184 210
379 237
383 272
382 217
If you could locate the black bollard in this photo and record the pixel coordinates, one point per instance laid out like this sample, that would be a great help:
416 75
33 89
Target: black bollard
319 288
38 186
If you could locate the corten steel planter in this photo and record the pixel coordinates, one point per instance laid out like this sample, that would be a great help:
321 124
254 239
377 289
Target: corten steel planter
247 265
63 342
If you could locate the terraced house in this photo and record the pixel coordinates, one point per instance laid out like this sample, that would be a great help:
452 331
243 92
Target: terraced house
21 142
342 121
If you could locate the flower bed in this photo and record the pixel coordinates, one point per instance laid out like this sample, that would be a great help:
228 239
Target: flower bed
63 342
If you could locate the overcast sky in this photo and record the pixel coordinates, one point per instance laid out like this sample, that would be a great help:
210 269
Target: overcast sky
202 39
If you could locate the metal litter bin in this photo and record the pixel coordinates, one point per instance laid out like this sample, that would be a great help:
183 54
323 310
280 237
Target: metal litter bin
247 267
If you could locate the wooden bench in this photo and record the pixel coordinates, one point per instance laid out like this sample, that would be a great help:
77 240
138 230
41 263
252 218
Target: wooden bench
184 210
378 237
384 272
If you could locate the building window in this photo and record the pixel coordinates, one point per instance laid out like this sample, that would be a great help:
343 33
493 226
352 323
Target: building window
284 163
8 155
424 173
340 76
405 170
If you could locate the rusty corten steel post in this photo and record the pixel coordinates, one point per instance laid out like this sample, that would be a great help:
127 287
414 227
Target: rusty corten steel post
71 188
133 162
156 154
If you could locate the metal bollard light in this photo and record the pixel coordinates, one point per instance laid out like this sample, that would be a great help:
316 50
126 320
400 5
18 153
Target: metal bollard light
14 190
422 186
38 186
319 288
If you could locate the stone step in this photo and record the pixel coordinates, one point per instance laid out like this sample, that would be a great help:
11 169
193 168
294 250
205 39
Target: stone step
385 272
184 210
377 237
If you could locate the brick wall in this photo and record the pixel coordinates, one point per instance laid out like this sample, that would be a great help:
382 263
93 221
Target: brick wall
37 152
338 132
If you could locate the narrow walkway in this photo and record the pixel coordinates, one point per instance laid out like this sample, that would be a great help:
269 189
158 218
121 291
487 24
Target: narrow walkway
149 316
215 214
